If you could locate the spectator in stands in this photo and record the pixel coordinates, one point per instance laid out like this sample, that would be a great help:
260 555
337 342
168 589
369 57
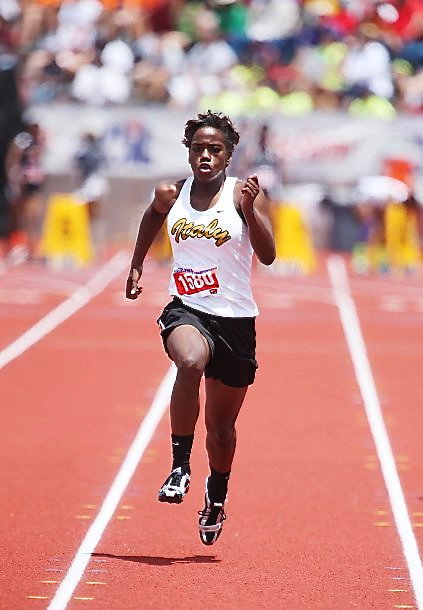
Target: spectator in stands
90 163
26 179
108 78
241 55
410 88
367 65
158 58
206 64
10 112
263 162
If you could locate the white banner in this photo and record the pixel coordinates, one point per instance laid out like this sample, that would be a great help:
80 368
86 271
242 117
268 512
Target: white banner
146 142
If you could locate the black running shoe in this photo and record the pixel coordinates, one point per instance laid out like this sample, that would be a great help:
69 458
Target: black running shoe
175 487
211 520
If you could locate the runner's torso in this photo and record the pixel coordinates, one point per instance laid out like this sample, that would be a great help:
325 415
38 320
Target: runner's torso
211 255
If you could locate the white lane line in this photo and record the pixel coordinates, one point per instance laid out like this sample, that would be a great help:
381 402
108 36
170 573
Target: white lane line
67 308
114 495
4 267
351 325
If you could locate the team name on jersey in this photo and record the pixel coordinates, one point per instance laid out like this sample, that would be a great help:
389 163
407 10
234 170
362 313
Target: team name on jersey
183 228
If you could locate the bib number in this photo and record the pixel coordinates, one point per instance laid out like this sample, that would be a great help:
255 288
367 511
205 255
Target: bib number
188 281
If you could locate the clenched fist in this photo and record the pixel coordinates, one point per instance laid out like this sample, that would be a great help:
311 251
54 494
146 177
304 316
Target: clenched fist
164 197
249 192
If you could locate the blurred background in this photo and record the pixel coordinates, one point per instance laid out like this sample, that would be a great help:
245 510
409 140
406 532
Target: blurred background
327 96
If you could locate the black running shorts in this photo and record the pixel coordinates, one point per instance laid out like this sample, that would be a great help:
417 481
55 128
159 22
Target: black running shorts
232 341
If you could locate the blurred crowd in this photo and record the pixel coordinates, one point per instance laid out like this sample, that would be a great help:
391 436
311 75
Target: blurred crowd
291 56
242 57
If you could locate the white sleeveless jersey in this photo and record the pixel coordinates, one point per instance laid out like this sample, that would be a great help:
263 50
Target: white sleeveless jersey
211 255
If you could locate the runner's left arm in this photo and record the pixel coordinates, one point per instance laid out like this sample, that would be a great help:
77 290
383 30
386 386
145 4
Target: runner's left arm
254 206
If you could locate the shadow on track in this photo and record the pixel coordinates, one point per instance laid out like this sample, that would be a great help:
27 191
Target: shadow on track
160 561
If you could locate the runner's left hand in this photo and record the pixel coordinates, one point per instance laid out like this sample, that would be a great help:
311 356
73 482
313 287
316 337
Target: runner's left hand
249 192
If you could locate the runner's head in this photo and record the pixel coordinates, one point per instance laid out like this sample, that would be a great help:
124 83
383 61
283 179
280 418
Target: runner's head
217 120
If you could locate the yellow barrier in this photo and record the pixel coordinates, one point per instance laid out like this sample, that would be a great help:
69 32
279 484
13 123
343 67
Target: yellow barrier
402 237
66 235
294 247
161 250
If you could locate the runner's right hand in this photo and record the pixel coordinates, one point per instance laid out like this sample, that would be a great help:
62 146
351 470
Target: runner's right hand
164 197
132 289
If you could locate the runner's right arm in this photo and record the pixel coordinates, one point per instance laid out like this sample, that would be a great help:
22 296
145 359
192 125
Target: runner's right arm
153 218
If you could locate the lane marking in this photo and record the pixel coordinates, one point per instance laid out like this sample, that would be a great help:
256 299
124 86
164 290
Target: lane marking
66 309
37 596
352 330
115 493
4 267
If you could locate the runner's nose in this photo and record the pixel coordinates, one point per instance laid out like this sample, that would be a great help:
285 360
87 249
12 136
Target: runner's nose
205 155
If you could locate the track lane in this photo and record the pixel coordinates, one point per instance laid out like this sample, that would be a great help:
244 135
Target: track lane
392 324
28 292
303 523
69 423
306 535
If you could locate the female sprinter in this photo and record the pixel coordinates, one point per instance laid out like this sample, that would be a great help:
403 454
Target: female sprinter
215 223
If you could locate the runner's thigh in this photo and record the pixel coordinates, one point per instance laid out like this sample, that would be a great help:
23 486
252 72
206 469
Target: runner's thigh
185 344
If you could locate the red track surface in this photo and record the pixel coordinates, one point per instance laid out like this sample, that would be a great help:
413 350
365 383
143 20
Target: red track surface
309 521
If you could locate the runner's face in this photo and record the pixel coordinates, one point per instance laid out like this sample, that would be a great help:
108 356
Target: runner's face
208 154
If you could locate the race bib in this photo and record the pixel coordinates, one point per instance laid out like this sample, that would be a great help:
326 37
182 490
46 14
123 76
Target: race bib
188 281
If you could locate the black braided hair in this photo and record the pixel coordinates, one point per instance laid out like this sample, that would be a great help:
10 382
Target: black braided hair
216 120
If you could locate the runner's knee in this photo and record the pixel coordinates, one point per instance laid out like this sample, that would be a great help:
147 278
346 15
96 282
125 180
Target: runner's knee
190 365
221 433
189 350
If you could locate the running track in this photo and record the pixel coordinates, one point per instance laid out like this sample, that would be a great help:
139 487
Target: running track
326 499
